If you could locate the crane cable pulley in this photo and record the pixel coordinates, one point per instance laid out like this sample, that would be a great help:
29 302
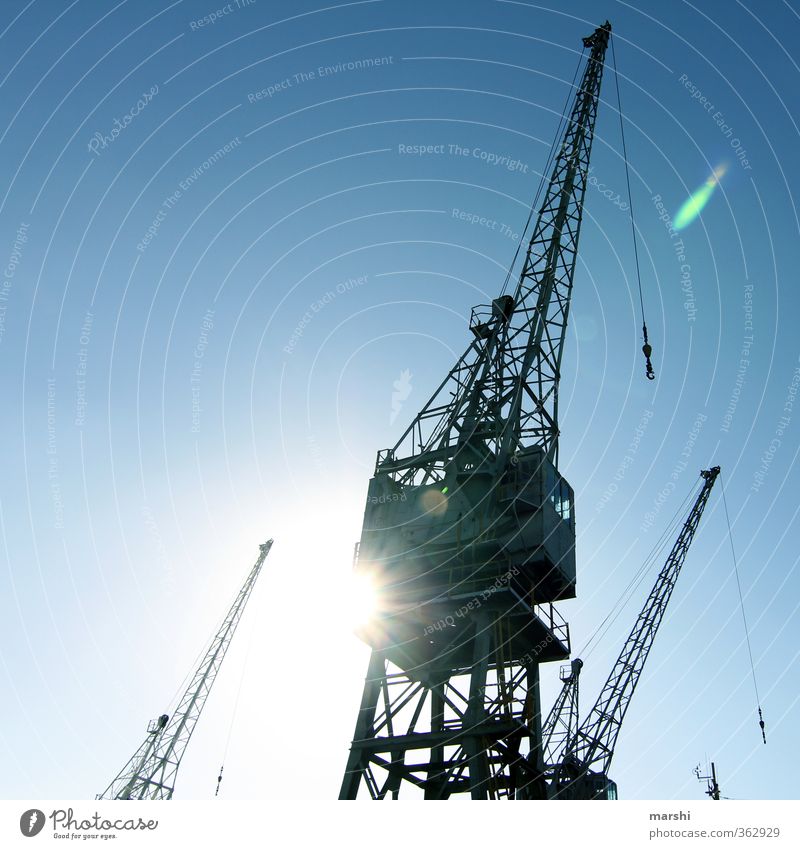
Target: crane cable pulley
744 619
647 350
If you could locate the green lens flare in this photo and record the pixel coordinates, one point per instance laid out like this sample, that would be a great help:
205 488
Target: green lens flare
695 204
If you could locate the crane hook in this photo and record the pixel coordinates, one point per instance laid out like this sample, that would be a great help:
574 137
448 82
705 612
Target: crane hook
647 351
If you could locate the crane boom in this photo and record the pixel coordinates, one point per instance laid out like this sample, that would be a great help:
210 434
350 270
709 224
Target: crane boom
151 772
533 339
590 751
502 394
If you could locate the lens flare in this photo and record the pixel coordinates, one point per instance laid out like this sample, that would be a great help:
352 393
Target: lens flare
361 601
694 205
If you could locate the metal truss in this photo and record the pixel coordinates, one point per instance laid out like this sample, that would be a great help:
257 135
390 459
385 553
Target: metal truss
562 721
593 746
151 772
447 730
502 394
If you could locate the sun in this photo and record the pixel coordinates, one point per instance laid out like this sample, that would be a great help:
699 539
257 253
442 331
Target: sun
360 600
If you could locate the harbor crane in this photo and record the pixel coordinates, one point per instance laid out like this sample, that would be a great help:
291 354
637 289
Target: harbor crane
469 531
578 758
151 772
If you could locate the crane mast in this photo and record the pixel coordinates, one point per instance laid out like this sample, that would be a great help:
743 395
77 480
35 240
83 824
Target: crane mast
582 771
469 531
151 772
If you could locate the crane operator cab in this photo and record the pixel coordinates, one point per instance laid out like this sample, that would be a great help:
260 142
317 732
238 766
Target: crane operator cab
590 785
477 533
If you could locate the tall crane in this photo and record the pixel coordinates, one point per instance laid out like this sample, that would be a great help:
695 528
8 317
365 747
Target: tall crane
578 764
469 530
151 772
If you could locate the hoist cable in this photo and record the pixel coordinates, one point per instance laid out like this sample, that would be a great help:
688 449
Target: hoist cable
545 172
181 691
235 709
626 595
646 349
744 617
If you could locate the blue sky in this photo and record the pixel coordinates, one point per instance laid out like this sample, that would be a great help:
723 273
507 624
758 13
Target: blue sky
219 256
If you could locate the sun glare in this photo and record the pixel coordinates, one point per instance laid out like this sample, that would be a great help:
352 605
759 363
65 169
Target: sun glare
361 600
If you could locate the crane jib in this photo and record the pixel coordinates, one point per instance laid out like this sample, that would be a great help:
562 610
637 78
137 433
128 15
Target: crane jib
584 760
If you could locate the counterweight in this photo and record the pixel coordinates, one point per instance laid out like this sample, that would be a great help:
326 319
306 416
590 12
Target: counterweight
151 772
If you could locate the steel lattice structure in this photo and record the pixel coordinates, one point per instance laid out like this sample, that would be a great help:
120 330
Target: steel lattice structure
151 772
502 394
562 721
451 728
588 754
469 531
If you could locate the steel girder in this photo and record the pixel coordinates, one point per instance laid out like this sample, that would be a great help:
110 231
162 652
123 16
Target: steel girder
447 731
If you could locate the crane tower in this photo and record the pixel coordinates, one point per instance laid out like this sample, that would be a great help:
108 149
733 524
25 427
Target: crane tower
469 531
151 772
